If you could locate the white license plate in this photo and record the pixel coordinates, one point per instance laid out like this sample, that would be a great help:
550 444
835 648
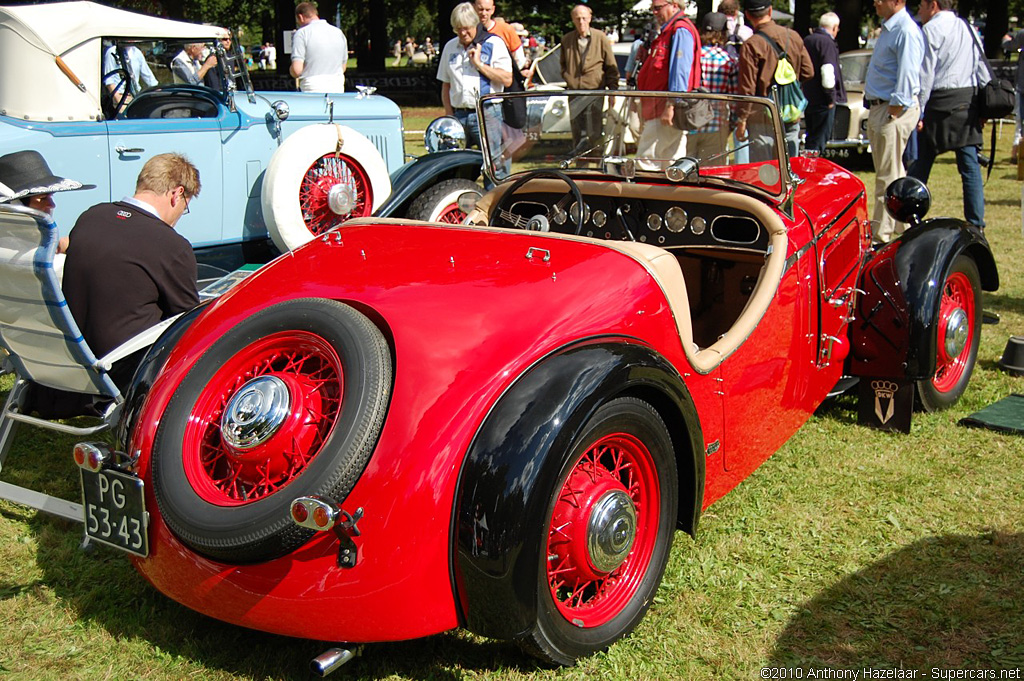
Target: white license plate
115 510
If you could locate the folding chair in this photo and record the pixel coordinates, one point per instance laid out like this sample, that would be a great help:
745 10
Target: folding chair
44 344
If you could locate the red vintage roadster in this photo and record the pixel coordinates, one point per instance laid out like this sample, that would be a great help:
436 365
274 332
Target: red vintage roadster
402 428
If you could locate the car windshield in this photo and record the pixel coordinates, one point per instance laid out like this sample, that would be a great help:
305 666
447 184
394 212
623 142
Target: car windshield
621 134
854 67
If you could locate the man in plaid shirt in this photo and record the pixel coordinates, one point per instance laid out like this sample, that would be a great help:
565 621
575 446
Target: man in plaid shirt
719 72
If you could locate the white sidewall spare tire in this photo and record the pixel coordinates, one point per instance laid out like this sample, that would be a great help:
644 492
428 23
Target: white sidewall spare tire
301 153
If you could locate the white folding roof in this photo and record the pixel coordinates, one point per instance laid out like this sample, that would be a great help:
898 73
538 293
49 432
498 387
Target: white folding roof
32 37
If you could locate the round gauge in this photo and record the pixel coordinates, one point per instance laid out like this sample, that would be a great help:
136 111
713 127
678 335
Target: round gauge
600 219
698 225
675 219
654 222
574 210
558 215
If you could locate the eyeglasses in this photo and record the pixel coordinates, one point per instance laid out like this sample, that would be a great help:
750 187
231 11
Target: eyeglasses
184 212
657 8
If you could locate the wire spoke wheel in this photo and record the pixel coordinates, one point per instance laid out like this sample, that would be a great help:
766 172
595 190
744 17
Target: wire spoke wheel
333 190
451 215
611 515
310 374
603 530
287 403
957 336
956 316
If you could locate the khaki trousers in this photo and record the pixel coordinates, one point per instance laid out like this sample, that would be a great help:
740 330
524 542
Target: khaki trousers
888 137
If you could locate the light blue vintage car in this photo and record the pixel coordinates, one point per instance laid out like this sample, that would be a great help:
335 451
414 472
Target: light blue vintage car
91 88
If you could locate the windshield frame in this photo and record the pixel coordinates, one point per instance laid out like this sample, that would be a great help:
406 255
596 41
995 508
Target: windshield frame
778 196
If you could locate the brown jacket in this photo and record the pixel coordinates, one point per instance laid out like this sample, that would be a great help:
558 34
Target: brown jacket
758 60
595 69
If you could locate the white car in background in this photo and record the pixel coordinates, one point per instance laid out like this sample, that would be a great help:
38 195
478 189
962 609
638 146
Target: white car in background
849 141
551 115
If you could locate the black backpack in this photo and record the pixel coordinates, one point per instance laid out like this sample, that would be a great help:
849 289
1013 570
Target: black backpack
733 42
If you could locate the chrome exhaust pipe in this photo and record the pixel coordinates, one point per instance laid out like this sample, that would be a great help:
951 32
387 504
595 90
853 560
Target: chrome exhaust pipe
327 662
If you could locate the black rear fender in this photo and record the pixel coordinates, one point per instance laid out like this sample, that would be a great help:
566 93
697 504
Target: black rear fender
893 333
515 459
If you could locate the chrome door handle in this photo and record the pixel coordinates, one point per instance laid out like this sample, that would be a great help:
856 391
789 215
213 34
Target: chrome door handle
128 150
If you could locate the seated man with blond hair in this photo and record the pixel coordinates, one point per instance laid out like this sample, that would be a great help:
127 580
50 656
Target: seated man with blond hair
126 268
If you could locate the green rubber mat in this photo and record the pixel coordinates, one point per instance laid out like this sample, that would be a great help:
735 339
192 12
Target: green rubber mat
1006 415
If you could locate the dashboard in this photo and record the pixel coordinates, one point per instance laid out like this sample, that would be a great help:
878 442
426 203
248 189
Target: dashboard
663 223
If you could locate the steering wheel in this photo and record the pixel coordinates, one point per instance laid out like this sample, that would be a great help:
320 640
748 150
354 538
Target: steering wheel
121 91
540 222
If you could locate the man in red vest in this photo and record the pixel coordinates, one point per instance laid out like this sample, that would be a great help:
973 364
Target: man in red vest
673 64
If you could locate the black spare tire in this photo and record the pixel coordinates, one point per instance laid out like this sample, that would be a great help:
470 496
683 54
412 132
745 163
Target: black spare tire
288 403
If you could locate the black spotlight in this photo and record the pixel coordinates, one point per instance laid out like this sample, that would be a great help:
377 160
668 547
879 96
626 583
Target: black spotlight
908 200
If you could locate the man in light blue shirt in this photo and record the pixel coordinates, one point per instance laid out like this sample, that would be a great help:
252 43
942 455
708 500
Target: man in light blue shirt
136 67
891 89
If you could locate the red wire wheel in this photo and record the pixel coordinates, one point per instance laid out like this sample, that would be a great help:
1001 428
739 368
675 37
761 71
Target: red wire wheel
451 215
954 334
440 203
308 372
265 416
610 521
957 336
603 530
335 188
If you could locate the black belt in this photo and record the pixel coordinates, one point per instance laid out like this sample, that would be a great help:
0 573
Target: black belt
463 109
873 102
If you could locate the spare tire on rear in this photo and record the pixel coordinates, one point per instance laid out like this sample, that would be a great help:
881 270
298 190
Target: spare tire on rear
288 403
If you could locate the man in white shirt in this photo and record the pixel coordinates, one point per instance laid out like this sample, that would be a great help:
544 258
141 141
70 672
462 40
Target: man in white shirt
471 67
319 52
950 72
188 67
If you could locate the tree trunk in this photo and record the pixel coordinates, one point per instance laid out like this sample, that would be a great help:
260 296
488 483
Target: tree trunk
850 16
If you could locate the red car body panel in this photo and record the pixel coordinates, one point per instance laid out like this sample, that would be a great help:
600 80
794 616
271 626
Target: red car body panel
467 312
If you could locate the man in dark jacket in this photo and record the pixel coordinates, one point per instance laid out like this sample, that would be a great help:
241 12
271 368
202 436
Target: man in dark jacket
825 89
126 268
757 75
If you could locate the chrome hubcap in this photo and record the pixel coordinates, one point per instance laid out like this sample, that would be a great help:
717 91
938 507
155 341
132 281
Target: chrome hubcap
611 530
957 329
255 413
341 198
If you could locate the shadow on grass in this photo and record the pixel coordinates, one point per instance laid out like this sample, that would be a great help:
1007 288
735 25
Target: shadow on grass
950 601
100 586
1003 303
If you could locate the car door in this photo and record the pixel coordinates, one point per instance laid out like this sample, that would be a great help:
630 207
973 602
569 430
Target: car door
838 244
133 141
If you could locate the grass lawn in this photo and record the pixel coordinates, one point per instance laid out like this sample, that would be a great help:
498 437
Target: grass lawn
849 548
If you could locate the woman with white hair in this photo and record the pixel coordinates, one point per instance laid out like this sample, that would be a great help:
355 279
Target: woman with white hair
473 63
